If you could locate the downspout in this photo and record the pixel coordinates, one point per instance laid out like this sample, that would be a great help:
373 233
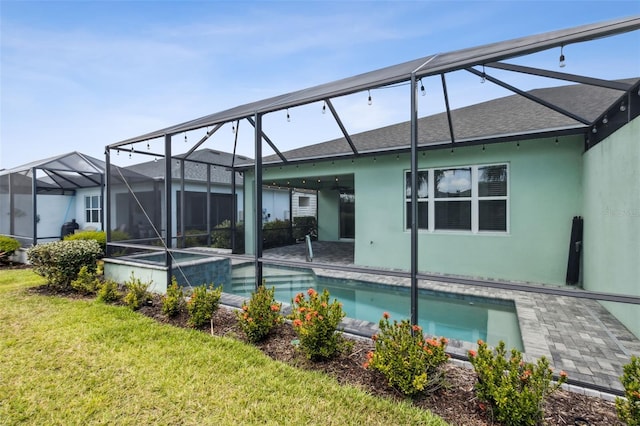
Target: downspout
257 190
414 202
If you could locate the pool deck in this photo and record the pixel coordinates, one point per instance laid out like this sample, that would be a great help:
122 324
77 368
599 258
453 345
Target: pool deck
576 335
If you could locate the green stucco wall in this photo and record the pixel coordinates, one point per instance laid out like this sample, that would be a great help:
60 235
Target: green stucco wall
545 184
328 215
545 194
612 220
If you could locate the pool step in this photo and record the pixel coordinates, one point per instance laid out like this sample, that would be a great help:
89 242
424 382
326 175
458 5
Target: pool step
296 280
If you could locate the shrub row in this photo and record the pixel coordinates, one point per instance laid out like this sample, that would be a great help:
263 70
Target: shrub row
510 389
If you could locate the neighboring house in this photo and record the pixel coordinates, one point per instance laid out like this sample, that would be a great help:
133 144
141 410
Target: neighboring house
500 202
69 187
66 187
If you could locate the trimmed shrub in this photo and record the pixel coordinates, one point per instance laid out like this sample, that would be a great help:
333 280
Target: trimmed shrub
221 236
316 321
86 282
108 292
514 389
411 363
8 246
628 408
117 235
173 302
137 293
203 304
59 262
277 233
260 315
99 236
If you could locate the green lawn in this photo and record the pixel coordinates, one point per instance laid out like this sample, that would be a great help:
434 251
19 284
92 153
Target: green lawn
81 362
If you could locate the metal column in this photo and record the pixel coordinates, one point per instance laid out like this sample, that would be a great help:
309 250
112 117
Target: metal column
167 205
34 197
106 216
257 187
414 202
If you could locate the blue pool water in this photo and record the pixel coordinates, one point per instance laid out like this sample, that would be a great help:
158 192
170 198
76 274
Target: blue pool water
440 314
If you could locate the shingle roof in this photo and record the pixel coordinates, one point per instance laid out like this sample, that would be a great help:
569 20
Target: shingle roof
507 116
195 170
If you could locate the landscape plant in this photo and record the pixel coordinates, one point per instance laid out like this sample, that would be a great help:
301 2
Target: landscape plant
108 292
59 262
410 362
202 304
99 236
86 282
260 315
8 246
137 293
628 408
173 301
315 321
514 389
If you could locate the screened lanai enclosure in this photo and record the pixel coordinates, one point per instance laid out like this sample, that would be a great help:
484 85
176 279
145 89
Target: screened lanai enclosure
508 235
39 198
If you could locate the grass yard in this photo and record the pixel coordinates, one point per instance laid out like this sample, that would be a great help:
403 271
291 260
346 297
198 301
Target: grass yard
68 361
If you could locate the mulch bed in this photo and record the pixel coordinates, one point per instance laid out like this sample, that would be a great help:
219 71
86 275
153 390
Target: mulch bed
456 402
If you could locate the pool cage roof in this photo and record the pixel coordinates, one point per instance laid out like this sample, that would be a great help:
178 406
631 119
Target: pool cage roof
69 171
475 60
486 56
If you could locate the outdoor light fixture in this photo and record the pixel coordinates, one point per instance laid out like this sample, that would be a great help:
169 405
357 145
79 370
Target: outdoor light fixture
185 137
483 147
148 146
324 108
288 116
594 130
556 141
605 120
562 64
424 92
155 159
369 101
233 128
623 107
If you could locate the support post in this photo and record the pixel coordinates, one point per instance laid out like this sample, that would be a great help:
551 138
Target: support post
106 217
257 187
208 205
34 197
414 202
167 206
183 205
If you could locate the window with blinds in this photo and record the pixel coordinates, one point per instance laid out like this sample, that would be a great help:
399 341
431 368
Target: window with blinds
470 198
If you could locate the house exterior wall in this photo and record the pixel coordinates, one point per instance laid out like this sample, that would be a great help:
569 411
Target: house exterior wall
80 210
54 211
545 193
307 210
612 220
328 215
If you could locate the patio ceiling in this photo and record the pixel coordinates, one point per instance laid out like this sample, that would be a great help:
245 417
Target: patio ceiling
489 55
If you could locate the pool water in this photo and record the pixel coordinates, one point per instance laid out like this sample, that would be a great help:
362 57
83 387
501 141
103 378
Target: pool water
450 315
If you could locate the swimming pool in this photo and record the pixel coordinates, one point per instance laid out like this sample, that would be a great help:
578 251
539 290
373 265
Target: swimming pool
454 316
459 317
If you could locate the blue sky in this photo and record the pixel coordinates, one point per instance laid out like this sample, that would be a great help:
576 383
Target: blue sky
79 75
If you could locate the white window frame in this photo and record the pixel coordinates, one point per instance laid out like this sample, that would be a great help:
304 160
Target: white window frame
91 209
475 200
